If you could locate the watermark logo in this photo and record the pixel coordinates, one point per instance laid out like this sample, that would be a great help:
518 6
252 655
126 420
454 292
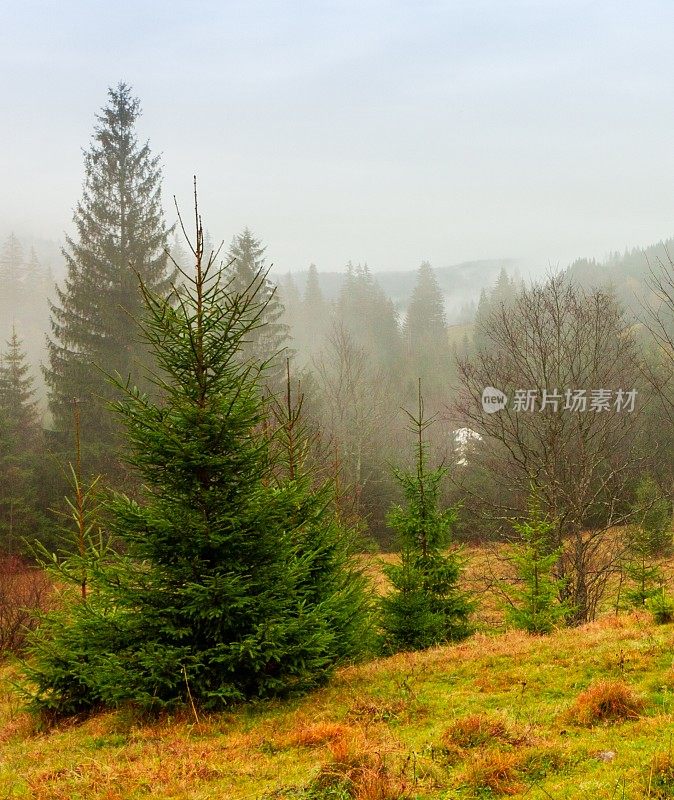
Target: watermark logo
573 400
493 400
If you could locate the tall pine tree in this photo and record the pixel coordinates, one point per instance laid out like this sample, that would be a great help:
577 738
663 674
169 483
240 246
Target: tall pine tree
120 234
316 311
20 451
11 271
369 315
425 333
268 339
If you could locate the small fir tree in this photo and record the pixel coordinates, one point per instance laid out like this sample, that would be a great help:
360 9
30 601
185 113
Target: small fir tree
425 607
235 581
647 540
643 571
652 515
662 605
534 605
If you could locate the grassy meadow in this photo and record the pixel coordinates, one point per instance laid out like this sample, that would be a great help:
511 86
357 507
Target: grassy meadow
582 713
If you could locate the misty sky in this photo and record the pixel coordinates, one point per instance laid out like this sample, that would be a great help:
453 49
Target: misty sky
386 132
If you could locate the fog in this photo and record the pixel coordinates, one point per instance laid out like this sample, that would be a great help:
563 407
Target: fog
385 133
330 331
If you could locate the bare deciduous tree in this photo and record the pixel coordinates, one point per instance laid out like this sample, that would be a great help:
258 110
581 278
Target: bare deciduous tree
556 338
358 407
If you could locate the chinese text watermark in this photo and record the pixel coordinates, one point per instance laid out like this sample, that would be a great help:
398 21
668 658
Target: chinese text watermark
572 400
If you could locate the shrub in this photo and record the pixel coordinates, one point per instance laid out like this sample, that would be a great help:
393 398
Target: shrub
606 701
24 592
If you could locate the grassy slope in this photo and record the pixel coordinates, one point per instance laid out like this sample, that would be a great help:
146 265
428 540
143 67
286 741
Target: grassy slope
392 718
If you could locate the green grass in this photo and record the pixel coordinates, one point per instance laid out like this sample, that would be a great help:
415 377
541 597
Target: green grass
488 716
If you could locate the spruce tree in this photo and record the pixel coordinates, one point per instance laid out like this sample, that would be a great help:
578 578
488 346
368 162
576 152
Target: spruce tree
425 607
12 267
425 332
652 518
289 297
235 582
647 540
249 274
120 232
534 604
315 312
16 389
20 449
369 316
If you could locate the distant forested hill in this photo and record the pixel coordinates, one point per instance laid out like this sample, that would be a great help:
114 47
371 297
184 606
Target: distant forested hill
628 273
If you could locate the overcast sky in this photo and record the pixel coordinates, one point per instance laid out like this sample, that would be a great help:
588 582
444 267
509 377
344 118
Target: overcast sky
386 132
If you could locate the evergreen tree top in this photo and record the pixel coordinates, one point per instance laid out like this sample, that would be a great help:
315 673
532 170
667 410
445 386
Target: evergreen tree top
313 295
17 395
426 312
11 261
247 267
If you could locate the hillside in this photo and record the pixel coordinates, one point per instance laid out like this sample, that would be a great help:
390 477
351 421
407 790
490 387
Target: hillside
489 717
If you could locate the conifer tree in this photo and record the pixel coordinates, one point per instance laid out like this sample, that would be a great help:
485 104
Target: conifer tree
16 388
315 311
425 332
120 232
534 606
234 582
426 606
11 272
647 540
20 440
652 518
289 297
247 264
369 315
501 294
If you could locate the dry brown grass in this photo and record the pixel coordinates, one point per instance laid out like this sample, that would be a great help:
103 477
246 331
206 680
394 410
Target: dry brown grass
319 733
364 773
494 771
369 708
605 701
477 730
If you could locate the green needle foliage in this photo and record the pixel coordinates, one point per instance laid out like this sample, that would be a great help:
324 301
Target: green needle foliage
662 605
647 540
652 514
426 606
234 580
534 606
